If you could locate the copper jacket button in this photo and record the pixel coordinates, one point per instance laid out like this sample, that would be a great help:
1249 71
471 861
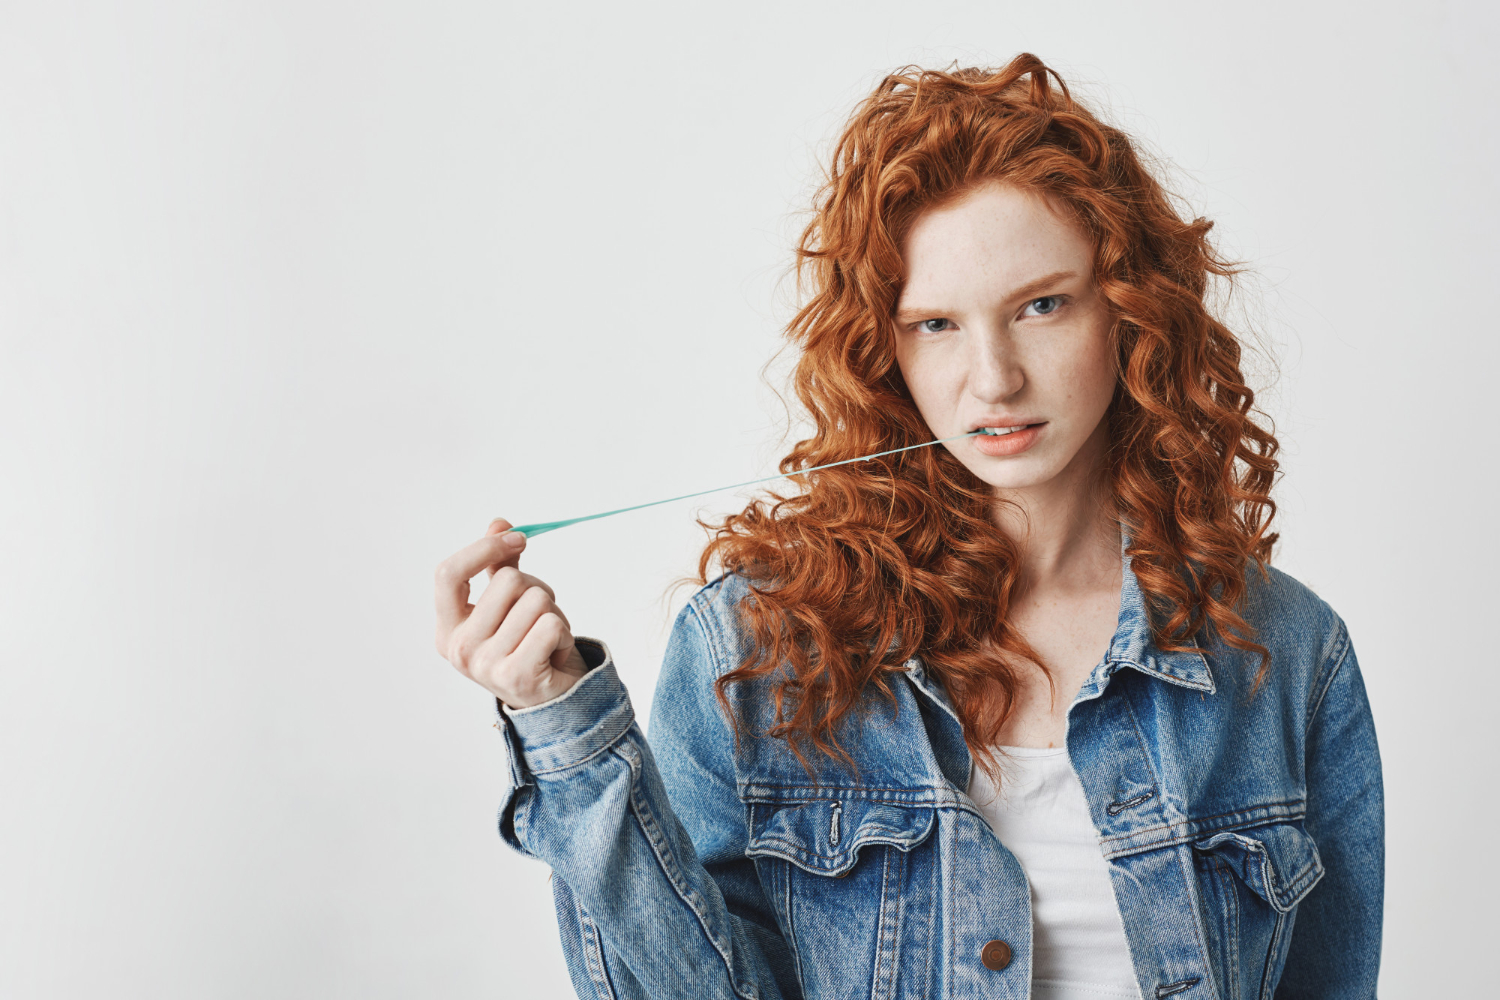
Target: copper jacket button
995 955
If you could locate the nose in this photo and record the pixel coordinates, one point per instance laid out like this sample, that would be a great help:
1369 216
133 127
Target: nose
995 373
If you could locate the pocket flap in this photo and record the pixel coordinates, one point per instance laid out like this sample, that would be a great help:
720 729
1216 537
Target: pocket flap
825 836
1279 862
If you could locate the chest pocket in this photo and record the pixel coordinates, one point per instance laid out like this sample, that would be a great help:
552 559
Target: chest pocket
1278 862
840 873
826 836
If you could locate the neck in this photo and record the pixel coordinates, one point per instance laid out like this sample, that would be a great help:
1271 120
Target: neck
1065 527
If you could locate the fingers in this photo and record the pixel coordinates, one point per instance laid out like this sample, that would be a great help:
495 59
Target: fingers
481 646
531 604
548 635
514 640
495 603
498 526
532 679
455 572
517 663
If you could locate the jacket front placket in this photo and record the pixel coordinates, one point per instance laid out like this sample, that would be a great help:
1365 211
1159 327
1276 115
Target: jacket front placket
984 893
1137 811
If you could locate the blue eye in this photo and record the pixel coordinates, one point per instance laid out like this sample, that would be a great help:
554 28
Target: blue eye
1043 306
934 325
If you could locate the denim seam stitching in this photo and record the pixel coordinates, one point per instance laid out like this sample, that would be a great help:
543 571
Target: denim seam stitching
1298 887
855 842
907 791
888 938
790 847
1340 650
922 688
932 915
593 950
610 744
784 876
1228 885
563 738
1205 688
1253 814
665 860
1266 989
708 628
516 758
520 820
1190 884
1291 890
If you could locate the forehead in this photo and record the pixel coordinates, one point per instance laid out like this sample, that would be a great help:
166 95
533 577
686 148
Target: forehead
992 238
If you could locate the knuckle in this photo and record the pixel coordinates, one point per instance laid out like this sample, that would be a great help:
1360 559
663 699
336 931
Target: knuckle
508 577
461 650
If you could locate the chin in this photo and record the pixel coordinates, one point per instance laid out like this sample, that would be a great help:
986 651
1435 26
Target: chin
1010 474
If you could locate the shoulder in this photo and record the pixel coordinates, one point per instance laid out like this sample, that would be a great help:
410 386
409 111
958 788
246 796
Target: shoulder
711 638
720 597
714 617
1286 613
1304 637
708 640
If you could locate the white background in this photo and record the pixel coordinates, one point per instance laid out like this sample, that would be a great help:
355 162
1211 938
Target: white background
295 297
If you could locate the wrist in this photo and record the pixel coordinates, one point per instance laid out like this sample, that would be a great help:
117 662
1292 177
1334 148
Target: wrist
567 730
585 656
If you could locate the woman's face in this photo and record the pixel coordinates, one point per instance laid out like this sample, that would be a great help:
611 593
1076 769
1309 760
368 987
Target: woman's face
999 325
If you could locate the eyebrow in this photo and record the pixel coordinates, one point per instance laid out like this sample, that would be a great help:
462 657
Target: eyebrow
1030 290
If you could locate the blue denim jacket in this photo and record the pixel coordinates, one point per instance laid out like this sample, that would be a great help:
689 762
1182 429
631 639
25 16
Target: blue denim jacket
1244 834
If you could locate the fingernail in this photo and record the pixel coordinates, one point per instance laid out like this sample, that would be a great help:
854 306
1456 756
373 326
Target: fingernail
514 539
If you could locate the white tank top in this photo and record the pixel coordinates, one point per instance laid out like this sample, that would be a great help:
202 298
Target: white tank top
1079 951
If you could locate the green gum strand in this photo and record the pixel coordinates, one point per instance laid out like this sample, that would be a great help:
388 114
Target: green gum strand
542 527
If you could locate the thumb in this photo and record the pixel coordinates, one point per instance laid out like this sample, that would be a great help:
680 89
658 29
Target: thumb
566 657
515 544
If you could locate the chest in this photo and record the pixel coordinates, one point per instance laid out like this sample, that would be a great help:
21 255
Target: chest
1069 632
893 883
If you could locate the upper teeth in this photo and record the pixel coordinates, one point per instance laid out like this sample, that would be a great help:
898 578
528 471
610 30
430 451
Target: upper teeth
997 431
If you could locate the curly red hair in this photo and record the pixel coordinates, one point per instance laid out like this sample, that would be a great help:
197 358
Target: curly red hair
871 563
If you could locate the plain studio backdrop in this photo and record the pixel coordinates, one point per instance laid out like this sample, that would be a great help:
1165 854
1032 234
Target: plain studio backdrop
295 297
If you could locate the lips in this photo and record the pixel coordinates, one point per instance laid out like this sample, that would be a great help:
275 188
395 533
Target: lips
1004 438
1006 425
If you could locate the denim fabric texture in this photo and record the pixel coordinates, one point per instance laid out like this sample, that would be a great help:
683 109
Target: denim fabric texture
1243 831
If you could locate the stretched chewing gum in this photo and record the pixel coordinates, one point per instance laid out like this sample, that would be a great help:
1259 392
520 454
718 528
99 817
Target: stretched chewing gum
541 528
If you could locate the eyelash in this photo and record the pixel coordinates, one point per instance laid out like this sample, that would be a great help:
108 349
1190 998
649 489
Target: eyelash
1061 301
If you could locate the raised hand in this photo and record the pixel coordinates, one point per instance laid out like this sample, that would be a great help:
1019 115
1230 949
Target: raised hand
515 642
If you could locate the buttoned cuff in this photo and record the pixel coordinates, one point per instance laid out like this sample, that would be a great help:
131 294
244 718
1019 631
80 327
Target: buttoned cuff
578 724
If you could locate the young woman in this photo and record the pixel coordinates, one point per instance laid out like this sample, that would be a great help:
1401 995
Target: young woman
1024 714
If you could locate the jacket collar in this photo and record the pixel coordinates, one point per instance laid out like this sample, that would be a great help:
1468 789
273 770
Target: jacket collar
916 670
1132 646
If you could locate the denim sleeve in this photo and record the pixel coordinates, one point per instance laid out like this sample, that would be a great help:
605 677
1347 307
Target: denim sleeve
1335 946
640 915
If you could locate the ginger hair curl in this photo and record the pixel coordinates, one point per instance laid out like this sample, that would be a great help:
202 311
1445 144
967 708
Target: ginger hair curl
871 563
